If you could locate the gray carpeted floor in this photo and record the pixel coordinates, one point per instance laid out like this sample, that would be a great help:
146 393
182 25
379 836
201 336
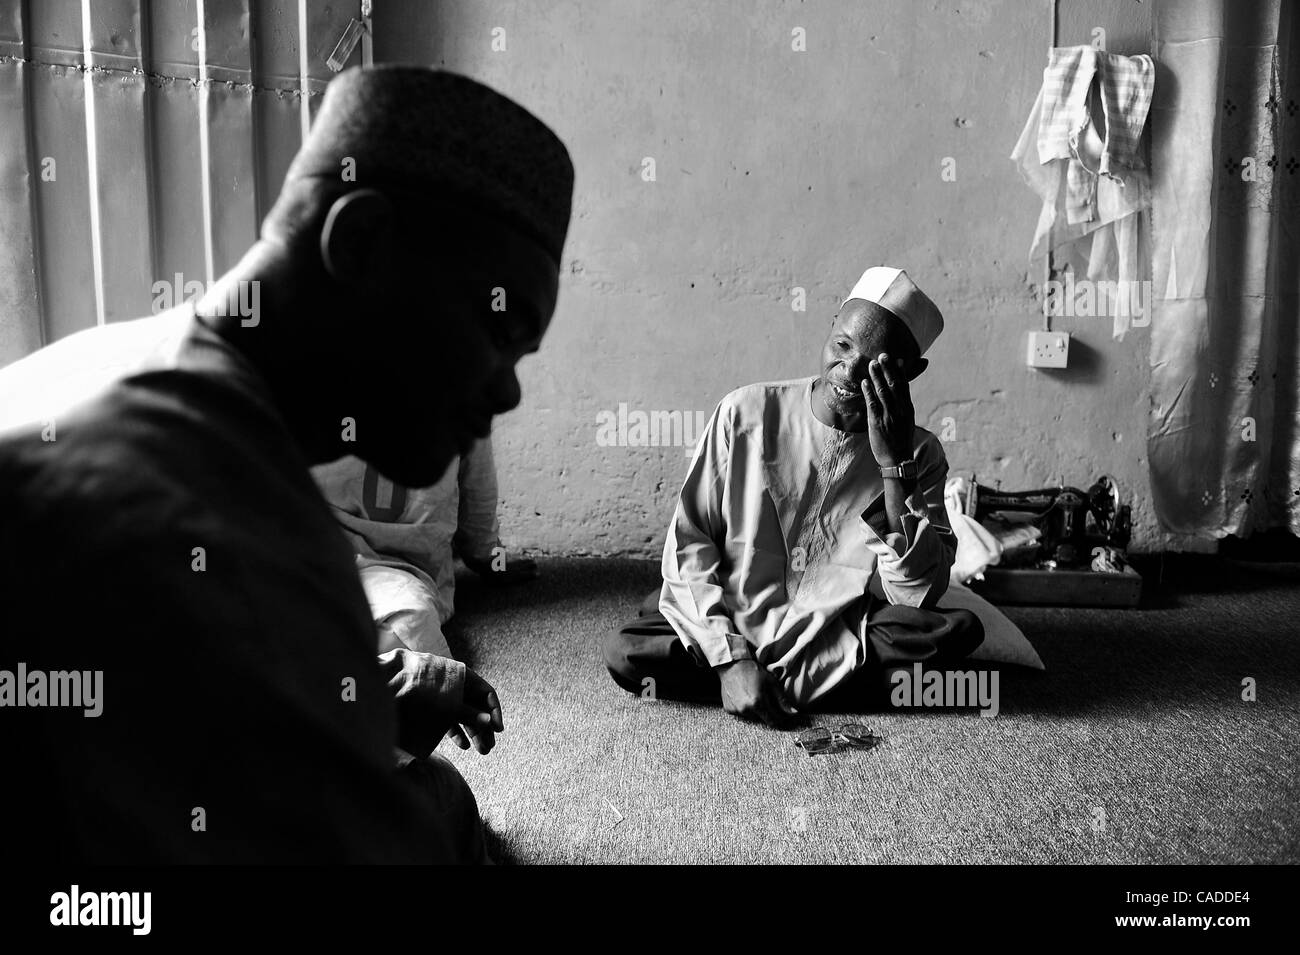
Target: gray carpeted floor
1134 747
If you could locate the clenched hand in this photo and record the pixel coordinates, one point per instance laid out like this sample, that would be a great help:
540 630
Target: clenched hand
752 693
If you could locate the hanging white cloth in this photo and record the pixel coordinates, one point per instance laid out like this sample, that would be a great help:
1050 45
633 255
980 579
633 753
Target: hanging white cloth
1093 187
1224 436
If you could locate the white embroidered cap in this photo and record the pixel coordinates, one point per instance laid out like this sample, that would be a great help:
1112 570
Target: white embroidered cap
893 290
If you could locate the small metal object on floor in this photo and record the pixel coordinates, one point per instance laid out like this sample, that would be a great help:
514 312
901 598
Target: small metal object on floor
830 739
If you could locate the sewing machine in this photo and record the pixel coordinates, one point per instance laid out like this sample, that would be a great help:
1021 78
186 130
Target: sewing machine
1073 522
1080 556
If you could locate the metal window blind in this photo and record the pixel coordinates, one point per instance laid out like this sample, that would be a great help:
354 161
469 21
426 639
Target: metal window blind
142 141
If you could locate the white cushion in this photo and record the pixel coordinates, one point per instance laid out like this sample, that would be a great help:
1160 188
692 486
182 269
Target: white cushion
1004 642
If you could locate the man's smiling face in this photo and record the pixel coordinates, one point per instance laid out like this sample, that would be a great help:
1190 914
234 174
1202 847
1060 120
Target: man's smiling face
860 332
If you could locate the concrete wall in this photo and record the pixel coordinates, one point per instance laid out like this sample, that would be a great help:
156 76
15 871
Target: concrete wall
776 169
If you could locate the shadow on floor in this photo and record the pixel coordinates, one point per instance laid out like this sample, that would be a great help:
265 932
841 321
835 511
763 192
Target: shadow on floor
1221 621
1140 712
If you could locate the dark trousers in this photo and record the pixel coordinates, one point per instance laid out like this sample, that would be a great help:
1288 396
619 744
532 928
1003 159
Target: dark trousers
648 648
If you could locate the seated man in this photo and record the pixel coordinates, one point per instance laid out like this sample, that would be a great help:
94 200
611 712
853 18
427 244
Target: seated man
406 541
163 539
810 543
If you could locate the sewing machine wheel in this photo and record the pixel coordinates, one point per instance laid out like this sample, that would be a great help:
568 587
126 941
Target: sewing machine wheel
1116 499
1104 498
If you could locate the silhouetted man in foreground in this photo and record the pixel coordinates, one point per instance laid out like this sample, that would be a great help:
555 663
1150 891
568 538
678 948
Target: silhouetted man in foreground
167 533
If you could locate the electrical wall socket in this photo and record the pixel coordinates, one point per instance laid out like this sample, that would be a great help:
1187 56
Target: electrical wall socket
1048 349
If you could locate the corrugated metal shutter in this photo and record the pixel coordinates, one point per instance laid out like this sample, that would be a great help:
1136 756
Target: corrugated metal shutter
141 142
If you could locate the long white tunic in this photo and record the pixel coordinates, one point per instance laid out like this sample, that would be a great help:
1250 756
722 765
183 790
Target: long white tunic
405 539
780 526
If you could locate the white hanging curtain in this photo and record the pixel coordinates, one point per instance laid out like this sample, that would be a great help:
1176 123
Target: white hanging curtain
1224 446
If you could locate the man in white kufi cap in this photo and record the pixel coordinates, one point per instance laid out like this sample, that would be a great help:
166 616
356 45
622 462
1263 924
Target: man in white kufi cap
810 544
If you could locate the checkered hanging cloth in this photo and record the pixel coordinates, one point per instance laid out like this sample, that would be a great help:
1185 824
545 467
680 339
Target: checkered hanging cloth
1126 84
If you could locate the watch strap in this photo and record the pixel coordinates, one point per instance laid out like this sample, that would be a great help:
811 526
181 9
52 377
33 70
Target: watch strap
906 470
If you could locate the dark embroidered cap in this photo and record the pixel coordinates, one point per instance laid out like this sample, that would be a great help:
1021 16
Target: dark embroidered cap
439 133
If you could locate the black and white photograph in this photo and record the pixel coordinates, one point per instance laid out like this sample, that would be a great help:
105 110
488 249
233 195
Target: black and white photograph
839 433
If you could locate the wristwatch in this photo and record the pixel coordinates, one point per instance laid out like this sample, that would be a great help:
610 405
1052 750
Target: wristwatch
907 470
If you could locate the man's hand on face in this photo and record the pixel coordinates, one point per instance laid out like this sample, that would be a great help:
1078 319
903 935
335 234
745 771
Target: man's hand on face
752 693
478 718
891 418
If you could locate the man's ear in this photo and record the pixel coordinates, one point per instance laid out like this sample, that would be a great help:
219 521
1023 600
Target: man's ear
356 242
921 365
